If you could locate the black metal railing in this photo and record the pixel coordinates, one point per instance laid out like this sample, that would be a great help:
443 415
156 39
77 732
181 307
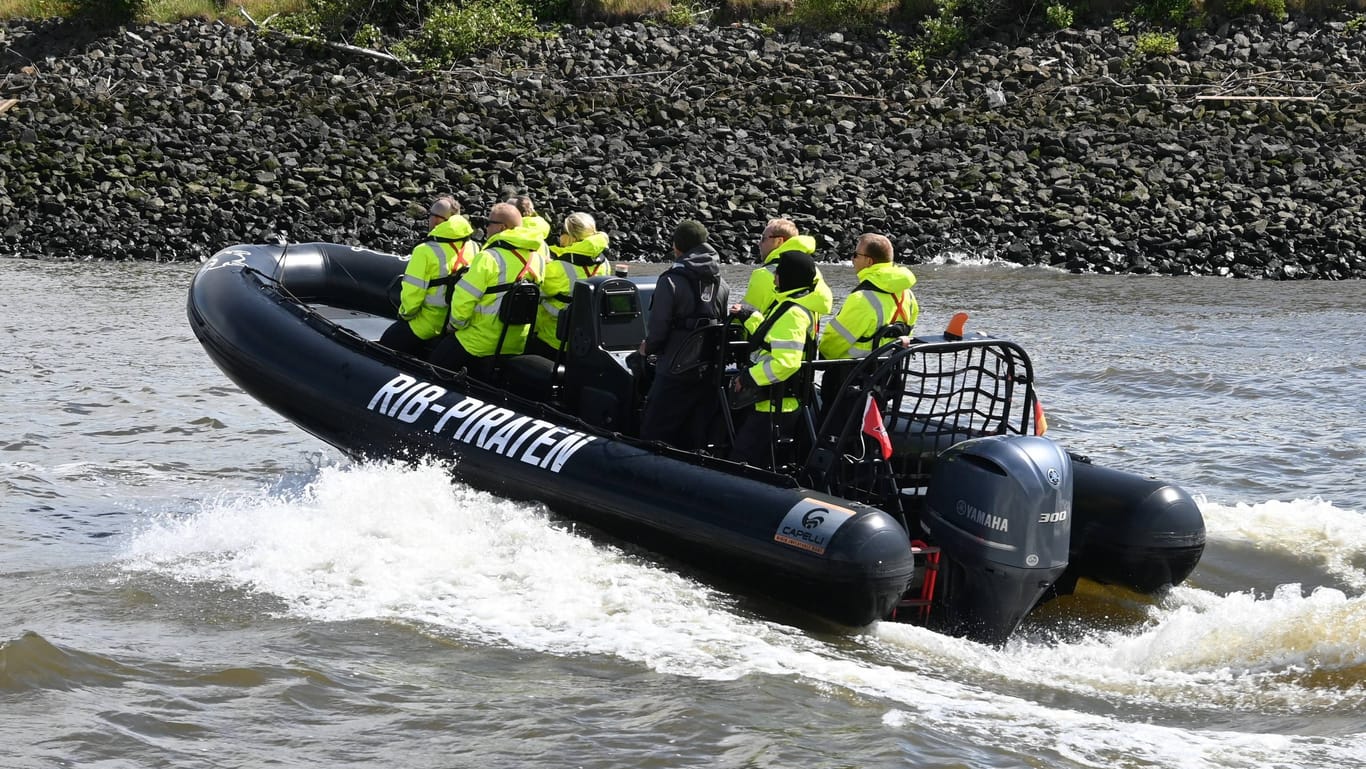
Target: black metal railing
928 396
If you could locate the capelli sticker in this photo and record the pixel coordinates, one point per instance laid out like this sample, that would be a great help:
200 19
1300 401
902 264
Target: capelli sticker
810 525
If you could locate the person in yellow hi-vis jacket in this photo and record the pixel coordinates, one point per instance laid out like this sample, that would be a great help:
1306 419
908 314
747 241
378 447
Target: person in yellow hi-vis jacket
511 254
780 236
428 280
780 339
882 298
578 257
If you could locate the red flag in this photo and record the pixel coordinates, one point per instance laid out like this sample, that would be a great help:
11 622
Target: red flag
872 425
1040 421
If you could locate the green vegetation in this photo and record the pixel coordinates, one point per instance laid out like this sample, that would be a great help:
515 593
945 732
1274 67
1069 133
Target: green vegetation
944 31
436 33
1059 15
450 31
1156 44
683 14
909 54
1175 12
840 14
1273 8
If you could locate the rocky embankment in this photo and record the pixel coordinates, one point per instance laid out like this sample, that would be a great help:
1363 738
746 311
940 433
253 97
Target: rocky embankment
1244 154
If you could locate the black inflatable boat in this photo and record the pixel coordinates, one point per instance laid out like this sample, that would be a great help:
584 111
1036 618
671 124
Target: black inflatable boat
966 525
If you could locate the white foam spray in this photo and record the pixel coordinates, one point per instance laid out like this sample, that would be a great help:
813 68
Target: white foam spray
388 541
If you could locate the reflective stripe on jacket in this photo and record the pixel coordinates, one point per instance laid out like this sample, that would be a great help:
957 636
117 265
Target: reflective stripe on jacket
507 257
422 304
560 276
760 292
850 334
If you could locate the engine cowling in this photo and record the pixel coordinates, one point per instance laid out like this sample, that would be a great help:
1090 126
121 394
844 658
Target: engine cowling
999 508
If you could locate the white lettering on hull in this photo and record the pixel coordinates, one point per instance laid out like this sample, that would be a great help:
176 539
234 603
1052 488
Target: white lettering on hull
472 421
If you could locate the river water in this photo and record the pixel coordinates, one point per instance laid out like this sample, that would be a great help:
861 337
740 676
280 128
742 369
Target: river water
190 581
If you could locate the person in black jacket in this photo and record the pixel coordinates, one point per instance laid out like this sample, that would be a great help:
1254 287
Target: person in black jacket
683 408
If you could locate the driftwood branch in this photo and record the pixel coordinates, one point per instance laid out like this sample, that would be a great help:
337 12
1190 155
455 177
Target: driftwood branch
372 53
952 75
629 75
853 97
1231 97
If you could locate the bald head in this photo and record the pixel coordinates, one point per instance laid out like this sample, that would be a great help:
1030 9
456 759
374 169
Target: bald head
503 216
443 207
877 247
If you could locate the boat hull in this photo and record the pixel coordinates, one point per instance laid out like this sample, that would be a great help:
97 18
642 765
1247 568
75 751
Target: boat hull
250 308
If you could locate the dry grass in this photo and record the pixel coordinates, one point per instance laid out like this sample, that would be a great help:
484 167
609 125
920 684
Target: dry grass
260 10
755 9
618 10
1324 7
33 9
162 10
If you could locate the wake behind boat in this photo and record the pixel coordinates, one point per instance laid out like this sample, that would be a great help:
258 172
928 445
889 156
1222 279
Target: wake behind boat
966 524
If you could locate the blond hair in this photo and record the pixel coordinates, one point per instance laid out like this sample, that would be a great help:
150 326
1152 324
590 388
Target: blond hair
784 228
580 225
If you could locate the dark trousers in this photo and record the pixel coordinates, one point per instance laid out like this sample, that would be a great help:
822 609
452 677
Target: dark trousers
535 346
683 411
450 354
757 435
400 337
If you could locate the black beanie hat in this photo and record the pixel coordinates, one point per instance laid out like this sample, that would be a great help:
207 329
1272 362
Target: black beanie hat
689 235
795 270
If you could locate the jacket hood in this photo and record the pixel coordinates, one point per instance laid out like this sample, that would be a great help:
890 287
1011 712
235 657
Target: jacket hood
517 237
591 246
537 224
454 228
888 276
702 261
803 243
806 297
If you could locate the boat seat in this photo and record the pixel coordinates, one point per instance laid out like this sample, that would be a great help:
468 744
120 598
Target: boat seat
606 325
517 308
621 324
530 376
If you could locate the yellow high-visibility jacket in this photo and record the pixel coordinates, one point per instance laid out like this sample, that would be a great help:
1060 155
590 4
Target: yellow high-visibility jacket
883 296
534 223
569 264
422 304
760 291
507 257
779 354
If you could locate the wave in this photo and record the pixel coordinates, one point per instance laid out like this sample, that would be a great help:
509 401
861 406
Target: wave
1311 531
31 662
392 542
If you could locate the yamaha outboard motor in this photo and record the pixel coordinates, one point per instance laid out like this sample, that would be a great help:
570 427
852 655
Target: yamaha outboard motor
999 510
